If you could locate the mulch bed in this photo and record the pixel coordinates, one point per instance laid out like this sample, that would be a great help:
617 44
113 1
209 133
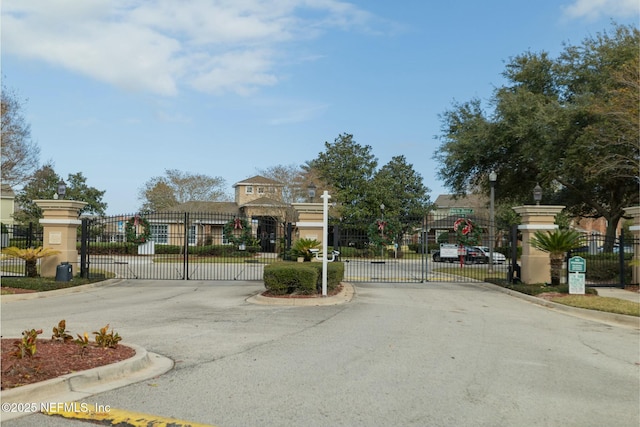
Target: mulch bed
53 359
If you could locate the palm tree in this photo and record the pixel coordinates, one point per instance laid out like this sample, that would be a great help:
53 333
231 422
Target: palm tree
556 243
30 256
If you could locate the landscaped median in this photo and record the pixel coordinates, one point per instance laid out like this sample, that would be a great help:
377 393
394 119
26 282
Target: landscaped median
304 278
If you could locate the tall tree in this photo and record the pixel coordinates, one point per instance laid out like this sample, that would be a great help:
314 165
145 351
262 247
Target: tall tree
347 167
556 122
44 184
400 189
291 176
185 187
20 155
157 196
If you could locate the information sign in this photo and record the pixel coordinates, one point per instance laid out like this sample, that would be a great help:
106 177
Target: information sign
577 265
576 283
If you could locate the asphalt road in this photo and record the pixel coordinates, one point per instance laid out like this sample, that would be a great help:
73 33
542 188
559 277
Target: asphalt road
433 354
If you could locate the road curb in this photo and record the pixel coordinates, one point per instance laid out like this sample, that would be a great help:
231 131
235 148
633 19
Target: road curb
56 292
601 316
80 385
346 295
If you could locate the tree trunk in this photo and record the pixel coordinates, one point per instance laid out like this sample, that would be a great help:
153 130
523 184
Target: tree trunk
32 268
556 262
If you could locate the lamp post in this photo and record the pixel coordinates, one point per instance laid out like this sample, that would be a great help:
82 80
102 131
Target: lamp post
537 194
61 191
493 177
311 191
382 230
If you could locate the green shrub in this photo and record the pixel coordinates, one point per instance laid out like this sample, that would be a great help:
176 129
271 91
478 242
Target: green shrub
284 278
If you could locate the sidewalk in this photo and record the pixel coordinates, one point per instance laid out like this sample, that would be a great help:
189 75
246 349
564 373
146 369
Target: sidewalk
619 293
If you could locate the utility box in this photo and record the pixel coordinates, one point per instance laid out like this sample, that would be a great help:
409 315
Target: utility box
64 272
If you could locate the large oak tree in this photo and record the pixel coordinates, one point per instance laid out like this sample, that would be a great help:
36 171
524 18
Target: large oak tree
568 123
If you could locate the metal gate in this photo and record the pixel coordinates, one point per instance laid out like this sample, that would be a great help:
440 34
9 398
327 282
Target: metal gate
180 245
23 237
409 249
608 261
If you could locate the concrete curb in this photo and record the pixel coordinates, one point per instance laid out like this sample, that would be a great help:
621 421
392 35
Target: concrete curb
600 316
346 295
80 385
45 294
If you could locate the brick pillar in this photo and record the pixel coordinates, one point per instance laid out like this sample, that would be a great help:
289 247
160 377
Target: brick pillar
60 222
535 265
634 212
309 221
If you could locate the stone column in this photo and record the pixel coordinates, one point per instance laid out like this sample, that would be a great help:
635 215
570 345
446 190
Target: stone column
634 212
309 223
534 264
60 222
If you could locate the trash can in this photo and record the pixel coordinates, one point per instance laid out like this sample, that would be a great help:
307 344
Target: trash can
64 272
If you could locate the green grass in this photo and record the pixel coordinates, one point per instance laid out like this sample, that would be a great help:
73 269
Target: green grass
609 305
42 284
590 301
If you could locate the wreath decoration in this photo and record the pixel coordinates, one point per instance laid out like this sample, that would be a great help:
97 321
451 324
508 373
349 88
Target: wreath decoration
131 230
467 232
383 233
237 231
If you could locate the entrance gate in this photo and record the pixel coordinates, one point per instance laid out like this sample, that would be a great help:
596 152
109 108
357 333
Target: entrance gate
410 252
180 245
219 246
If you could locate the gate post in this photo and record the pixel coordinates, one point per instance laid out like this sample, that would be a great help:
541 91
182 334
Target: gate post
634 212
309 222
60 232
535 264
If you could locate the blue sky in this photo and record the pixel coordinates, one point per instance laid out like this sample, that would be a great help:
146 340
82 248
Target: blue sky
122 90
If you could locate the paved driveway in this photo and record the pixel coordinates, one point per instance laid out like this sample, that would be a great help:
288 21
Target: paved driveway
433 354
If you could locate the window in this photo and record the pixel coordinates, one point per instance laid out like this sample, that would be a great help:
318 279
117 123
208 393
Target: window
249 189
160 233
192 235
260 190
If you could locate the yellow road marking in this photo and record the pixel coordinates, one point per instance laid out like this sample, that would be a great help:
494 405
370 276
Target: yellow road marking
113 416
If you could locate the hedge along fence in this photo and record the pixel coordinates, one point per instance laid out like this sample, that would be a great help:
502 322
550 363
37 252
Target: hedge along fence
284 278
208 250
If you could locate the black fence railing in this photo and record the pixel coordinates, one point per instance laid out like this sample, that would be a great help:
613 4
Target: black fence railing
608 261
185 246
23 237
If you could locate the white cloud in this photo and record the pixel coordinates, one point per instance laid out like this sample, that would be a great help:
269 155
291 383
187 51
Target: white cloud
159 46
594 9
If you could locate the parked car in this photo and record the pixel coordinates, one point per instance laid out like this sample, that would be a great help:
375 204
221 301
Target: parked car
472 256
498 258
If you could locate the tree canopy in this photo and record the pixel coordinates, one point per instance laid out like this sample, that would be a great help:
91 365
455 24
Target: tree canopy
177 187
349 171
20 155
568 123
44 184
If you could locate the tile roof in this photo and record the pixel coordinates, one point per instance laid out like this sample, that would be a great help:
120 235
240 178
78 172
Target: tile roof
259 180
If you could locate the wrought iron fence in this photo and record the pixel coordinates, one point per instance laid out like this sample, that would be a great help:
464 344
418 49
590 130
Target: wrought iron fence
608 260
23 237
181 245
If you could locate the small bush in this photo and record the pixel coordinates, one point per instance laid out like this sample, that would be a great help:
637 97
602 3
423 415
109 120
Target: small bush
294 278
290 278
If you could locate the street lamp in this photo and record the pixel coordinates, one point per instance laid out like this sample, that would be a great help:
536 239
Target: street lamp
311 191
62 190
381 227
493 177
537 194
